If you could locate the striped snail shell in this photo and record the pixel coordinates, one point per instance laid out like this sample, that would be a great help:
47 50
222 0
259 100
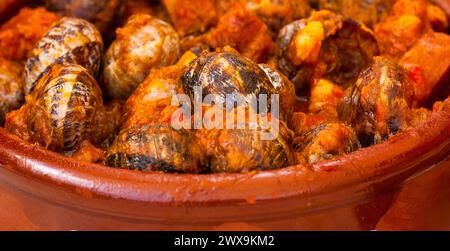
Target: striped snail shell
63 107
156 147
70 40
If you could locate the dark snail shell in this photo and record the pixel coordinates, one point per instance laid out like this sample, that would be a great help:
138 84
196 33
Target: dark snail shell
227 73
379 105
142 44
70 40
156 147
62 108
11 87
324 142
99 12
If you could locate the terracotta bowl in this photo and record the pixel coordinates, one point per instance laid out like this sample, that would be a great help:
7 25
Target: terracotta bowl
49 191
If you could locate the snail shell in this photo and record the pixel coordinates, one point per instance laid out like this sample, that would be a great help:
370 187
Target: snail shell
144 43
156 147
11 87
245 149
379 104
226 73
63 107
70 40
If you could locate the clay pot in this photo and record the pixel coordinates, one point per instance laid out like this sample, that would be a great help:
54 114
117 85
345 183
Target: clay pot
352 192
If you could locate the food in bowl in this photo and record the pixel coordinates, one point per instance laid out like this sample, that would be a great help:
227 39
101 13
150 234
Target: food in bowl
228 87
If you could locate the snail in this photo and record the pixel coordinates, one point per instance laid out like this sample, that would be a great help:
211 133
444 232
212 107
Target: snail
230 74
325 45
379 104
101 13
243 148
70 40
157 147
61 111
142 44
11 87
324 142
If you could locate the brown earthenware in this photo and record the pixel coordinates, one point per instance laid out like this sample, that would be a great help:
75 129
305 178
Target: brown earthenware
351 192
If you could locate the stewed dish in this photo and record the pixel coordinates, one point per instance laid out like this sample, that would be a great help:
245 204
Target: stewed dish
101 81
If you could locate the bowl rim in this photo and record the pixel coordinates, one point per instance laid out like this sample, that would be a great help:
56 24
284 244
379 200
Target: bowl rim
404 153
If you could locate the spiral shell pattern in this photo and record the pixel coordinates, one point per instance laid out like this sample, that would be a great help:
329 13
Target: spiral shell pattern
156 147
65 102
70 40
